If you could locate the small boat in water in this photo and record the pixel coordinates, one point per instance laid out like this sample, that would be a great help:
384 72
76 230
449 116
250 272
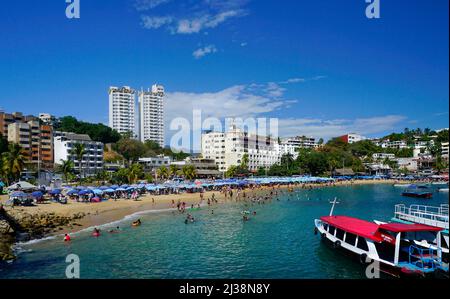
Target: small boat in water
443 189
396 247
402 185
418 191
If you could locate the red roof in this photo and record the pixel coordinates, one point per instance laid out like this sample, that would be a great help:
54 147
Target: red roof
355 226
402 227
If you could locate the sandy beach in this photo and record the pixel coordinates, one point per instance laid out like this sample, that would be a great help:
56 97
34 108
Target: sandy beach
111 210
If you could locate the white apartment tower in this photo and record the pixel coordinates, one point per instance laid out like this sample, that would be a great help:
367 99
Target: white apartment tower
151 114
122 109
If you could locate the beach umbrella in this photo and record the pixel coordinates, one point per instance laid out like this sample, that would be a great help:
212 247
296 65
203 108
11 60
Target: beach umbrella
37 194
103 187
72 192
109 190
124 186
114 187
84 192
80 187
121 189
18 194
55 191
97 191
129 188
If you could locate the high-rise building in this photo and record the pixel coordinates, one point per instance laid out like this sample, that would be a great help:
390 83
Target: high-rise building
122 109
151 114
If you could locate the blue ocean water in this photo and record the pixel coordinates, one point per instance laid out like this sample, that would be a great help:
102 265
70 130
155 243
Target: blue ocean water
278 242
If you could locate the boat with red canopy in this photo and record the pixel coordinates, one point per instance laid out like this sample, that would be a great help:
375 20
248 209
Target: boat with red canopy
394 246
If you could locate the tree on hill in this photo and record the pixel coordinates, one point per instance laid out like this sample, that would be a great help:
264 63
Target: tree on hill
97 132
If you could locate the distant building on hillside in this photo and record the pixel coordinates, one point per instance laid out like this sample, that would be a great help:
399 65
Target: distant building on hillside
444 150
352 137
151 163
382 156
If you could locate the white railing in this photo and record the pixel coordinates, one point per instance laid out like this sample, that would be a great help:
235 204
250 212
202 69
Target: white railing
429 215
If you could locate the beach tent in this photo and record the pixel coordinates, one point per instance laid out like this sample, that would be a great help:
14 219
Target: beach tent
22 185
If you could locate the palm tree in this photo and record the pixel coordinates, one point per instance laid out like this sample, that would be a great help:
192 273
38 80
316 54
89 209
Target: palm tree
189 172
172 170
244 161
135 172
13 161
66 168
162 172
79 151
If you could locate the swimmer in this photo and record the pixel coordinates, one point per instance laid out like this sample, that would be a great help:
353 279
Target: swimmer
114 230
66 238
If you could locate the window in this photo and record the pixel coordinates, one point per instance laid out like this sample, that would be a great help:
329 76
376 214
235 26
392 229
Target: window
340 234
362 244
350 238
331 229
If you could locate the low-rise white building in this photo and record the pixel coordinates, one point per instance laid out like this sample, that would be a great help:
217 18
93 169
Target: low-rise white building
382 156
151 163
399 144
64 143
409 163
444 150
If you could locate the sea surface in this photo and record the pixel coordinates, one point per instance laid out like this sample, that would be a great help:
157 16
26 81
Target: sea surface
278 242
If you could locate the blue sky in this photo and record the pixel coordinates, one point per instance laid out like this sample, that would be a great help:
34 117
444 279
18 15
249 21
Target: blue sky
321 67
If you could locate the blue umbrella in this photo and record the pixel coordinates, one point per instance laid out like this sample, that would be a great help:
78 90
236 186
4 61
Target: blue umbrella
109 190
18 194
55 191
97 191
71 192
81 187
37 194
114 187
121 189
129 189
83 192
103 187
124 186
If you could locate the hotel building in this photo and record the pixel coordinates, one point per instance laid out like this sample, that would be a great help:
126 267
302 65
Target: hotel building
122 109
92 161
352 137
291 145
151 114
33 136
229 148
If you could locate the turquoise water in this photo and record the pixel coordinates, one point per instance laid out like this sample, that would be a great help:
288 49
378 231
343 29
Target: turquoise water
278 242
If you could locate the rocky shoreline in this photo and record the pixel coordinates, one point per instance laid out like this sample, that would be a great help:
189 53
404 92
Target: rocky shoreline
23 226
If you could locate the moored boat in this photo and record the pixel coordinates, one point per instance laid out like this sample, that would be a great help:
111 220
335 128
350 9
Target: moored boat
418 191
392 245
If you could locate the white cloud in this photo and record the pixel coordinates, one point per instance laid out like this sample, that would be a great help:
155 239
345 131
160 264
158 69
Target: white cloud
141 5
206 21
155 22
199 53
336 127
